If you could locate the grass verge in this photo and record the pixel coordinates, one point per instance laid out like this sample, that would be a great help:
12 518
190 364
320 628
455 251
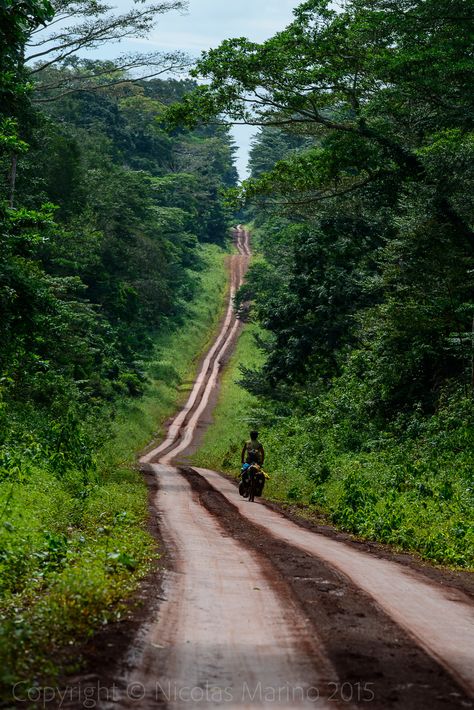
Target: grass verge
235 413
74 544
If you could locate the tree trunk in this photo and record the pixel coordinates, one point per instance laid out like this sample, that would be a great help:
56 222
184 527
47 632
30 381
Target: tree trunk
472 357
13 179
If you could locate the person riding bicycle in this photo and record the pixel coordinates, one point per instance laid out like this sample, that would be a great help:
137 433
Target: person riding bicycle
253 451
252 474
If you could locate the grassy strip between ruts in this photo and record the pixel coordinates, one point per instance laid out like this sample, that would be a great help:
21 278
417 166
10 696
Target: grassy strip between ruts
414 494
235 413
72 552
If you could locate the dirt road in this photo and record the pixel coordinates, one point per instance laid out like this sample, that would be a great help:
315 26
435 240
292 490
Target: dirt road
256 611
182 429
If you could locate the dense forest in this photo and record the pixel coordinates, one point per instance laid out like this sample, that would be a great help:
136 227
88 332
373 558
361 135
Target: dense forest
361 194
107 221
103 232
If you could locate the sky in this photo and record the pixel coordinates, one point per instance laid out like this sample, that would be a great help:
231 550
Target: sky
205 25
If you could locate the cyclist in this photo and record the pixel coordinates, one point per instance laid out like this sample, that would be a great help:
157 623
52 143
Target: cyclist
253 451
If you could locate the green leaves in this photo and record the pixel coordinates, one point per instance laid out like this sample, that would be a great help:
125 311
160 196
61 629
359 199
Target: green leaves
375 193
17 21
9 139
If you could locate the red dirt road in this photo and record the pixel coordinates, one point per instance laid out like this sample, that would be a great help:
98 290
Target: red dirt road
182 429
440 620
257 612
225 636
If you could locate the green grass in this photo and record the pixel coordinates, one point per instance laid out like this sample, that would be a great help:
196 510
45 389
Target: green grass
235 413
413 495
74 545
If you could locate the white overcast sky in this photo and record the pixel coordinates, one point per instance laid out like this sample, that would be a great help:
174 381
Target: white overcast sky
205 25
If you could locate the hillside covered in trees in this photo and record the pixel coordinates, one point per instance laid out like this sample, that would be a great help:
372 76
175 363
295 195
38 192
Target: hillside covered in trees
361 198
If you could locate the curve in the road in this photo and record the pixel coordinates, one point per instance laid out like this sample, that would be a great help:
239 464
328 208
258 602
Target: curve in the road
224 628
182 428
226 622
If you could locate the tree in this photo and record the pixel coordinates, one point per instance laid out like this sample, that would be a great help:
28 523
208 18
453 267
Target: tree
80 25
354 74
17 21
367 228
272 145
86 283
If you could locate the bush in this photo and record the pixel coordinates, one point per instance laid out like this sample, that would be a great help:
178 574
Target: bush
411 486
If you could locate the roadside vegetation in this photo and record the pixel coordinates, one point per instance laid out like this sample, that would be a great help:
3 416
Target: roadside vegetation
73 536
361 198
112 280
410 489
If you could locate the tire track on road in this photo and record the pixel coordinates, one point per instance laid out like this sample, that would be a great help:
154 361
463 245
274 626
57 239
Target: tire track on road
439 620
374 658
226 622
228 633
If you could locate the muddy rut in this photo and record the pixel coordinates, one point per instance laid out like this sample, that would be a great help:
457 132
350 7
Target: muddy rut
254 611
